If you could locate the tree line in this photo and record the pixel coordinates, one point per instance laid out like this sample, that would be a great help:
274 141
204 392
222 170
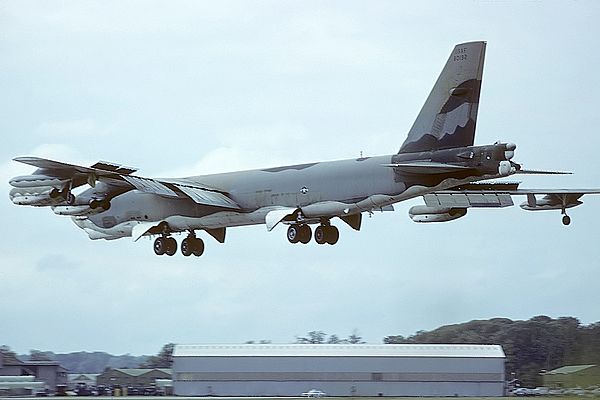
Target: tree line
531 347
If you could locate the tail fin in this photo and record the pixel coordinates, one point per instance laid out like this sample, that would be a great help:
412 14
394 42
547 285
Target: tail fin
449 115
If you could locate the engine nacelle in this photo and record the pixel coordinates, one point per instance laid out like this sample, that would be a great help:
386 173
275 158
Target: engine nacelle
80 210
35 196
35 180
435 214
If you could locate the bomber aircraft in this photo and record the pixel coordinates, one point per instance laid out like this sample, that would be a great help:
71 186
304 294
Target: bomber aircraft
438 160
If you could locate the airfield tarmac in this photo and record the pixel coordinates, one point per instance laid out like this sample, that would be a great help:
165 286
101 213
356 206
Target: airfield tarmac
304 398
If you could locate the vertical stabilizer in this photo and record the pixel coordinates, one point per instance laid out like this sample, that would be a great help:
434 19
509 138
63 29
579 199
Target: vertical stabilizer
449 115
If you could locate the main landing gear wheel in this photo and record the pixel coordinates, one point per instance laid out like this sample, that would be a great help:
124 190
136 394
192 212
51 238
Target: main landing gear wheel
293 234
299 233
165 245
171 246
192 245
566 220
305 234
327 234
160 247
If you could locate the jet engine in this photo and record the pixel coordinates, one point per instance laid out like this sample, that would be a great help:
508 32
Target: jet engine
35 196
435 214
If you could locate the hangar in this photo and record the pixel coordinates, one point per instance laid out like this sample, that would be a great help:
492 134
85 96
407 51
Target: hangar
339 370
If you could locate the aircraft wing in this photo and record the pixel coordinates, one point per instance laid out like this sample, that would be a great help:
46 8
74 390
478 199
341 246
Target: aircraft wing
53 181
499 194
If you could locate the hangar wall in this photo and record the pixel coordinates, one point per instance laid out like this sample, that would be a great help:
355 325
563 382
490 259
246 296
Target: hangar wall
338 370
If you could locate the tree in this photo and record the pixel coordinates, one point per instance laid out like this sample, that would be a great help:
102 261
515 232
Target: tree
334 339
314 337
37 355
541 343
164 359
355 338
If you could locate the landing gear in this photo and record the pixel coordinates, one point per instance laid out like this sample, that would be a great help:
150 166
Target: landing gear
105 204
327 234
66 194
165 245
323 234
299 233
192 245
70 198
566 220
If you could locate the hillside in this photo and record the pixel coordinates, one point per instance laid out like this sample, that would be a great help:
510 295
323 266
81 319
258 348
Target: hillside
541 343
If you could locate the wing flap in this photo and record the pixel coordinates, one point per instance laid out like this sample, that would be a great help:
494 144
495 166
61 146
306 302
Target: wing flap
426 167
149 186
207 197
462 200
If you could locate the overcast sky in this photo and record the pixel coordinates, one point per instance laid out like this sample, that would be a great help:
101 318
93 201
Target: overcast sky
182 88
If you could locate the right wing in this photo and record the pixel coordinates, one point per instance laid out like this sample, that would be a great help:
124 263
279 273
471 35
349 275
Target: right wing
53 182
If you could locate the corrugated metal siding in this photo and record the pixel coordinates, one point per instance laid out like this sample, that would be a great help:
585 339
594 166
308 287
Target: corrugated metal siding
340 371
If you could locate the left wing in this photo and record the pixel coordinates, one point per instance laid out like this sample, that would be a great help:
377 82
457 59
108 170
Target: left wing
451 204
53 182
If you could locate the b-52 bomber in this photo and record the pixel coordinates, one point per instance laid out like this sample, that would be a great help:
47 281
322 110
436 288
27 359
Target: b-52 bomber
438 160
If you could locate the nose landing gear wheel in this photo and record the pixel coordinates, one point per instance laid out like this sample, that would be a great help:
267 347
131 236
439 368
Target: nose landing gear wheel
566 220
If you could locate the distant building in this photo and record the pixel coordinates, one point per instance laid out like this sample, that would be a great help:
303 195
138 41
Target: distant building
82 379
132 377
11 366
572 376
338 370
49 372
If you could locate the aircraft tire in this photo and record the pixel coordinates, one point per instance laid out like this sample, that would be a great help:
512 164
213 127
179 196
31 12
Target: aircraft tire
566 220
171 246
186 246
159 246
320 234
70 198
332 235
293 234
197 247
305 234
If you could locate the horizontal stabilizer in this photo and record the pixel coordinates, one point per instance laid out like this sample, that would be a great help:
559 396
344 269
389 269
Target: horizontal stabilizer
426 167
